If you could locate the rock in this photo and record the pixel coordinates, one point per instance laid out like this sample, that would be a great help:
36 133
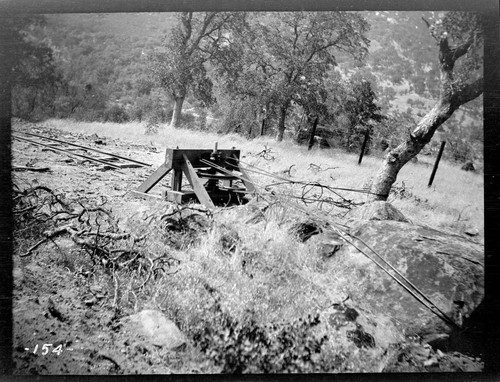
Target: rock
437 263
378 210
468 166
346 325
431 362
54 311
155 328
327 243
472 232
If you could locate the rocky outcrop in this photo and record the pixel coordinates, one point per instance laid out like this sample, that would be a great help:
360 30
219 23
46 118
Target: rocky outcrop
447 268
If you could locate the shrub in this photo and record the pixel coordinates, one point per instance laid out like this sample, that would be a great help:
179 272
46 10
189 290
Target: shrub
116 113
246 347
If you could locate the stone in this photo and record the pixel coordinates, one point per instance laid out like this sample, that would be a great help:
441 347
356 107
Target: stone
468 166
327 243
377 210
437 263
472 232
431 362
155 328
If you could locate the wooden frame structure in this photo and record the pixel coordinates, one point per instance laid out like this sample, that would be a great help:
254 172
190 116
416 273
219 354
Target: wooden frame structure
217 167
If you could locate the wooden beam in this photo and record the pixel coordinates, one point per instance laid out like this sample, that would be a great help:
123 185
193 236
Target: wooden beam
179 197
177 179
175 157
144 195
154 178
246 181
195 182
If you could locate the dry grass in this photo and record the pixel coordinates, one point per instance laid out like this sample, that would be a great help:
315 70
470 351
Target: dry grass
261 269
454 202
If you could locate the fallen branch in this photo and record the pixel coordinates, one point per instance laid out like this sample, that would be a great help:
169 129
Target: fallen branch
35 169
49 235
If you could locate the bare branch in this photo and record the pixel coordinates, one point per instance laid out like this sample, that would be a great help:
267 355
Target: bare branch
462 49
468 93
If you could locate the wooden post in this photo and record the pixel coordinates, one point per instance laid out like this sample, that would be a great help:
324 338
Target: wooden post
313 133
363 147
436 164
262 127
177 179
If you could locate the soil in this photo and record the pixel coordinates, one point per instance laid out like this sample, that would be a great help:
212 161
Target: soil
60 303
56 305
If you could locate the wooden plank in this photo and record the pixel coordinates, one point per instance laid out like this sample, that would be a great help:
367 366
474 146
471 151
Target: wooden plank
195 182
175 157
154 178
246 181
143 195
179 196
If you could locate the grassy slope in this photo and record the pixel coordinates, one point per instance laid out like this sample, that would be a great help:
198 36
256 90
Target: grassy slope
283 279
454 202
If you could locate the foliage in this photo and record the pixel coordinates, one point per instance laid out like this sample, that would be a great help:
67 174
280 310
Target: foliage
180 66
288 55
113 54
116 113
247 347
33 72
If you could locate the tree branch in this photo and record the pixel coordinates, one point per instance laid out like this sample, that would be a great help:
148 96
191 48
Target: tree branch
462 49
202 33
468 93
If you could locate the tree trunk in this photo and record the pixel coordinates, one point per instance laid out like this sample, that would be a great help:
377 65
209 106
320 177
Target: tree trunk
407 150
176 115
451 99
281 123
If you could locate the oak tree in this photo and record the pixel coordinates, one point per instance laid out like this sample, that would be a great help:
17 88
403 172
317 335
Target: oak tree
180 66
460 40
284 58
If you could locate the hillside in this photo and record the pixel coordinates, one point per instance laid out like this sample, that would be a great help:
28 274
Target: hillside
121 285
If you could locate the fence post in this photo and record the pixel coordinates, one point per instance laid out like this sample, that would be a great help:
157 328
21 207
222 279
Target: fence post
367 135
313 133
436 164
262 127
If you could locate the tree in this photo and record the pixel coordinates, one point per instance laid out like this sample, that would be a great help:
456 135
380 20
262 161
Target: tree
360 109
284 58
180 67
33 76
459 36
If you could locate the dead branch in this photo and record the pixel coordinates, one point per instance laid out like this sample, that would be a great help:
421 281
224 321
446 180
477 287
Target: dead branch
36 169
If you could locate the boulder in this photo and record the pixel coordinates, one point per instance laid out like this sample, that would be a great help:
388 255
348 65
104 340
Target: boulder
447 268
154 328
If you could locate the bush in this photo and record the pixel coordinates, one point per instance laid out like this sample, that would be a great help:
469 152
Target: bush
246 347
116 113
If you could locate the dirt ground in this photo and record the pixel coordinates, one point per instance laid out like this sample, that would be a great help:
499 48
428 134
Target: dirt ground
56 305
63 305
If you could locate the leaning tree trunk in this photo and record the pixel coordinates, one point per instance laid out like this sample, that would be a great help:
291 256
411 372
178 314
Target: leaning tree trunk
176 115
451 99
403 153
